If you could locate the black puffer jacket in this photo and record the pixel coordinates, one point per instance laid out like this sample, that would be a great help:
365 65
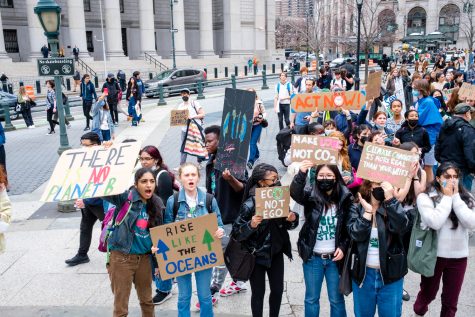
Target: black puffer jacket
262 239
392 224
313 211
417 135
456 143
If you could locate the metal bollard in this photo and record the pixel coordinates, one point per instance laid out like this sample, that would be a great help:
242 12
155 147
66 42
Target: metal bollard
4 87
38 87
245 70
21 83
233 81
273 68
205 70
10 89
68 84
8 122
236 71
215 72
264 80
281 67
96 81
226 71
150 75
161 100
264 67
200 90
292 76
255 69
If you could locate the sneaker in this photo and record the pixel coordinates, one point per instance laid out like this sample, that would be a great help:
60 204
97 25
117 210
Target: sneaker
161 297
87 129
77 259
233 288
116 124
50 132
405 295
250 165
214 301
129 118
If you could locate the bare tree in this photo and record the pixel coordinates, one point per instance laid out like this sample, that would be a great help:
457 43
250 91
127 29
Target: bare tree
467 22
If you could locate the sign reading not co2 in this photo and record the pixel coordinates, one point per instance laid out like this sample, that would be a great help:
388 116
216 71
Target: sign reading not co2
55 67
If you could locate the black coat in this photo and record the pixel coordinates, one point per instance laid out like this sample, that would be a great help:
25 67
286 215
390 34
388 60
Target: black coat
456 143
262 240
417 135
313 211
392 223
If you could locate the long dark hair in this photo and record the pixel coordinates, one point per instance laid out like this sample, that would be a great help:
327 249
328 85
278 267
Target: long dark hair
410 198
323 198
464 194
258 173
154 205
155 153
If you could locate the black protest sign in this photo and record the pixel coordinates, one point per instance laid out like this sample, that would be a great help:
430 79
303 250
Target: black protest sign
236 126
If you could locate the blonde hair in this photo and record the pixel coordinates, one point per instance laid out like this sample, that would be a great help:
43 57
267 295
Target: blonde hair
187 164
344 150
22 90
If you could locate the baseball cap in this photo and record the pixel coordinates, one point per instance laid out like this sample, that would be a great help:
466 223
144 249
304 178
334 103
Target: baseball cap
110 75
185 90
463 108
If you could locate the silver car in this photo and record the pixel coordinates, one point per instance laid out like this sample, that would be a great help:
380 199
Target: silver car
173 80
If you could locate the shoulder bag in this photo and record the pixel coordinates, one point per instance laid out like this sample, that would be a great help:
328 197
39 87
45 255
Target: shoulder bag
239 261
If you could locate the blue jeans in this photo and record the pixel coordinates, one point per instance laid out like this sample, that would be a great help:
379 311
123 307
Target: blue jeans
468 182
374 293
314 271
132 112
253 150
106 135
203 279
164 286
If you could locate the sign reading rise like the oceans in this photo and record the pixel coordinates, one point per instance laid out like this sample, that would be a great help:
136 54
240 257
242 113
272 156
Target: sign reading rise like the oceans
187 246
55 66
327 101
272 202
92 172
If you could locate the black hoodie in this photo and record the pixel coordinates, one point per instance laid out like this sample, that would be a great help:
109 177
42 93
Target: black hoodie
417 135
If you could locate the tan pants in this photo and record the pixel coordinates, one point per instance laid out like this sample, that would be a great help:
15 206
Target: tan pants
125 269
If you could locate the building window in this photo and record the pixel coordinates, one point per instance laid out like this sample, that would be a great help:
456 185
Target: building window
87 5
6 3
89 41
121 5
11 41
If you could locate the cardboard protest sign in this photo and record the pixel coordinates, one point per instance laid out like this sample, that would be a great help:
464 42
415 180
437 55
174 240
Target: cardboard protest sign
92 172
383 163
464 91
309 102
447 94
187 246
178 117
471 93
236 128
273 202
320 150
373 88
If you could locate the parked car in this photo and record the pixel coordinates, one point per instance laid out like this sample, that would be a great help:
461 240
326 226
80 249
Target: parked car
11 101
173 81
338 62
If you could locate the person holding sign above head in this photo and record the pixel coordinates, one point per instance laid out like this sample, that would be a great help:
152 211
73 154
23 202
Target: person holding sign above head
300 120
268 238
378 123
130 243
191 203
378 259
323 239
283 91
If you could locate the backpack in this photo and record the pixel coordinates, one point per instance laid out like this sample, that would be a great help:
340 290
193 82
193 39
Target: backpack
288 88
111 221
209 203
284 139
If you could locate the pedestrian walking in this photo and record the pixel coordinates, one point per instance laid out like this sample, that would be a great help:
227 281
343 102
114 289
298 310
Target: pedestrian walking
130 244
92 209
259 122
447 207
113 92
76 53
77 80
191 204
25 102
88 95
283 91
323 240
379 261
45 51
131 96
51 106
140 91
5 208
102 123
268 238
121 78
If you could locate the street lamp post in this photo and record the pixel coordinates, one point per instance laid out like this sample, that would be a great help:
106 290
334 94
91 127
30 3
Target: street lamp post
172 30
49 13
306 59
103 41
359 5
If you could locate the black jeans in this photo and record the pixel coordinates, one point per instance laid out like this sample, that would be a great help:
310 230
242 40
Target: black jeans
284 112
86 108
275 273
49 117
3 159
89 216
26 113
113 111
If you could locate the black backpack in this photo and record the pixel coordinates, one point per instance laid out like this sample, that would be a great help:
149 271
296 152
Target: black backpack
284 139
209 202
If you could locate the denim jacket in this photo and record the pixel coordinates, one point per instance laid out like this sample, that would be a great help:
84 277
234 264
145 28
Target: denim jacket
122 237
183 207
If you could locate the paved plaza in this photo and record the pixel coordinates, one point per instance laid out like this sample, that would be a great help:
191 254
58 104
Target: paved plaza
35 281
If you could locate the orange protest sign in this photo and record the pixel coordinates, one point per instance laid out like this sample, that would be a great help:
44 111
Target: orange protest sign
350 100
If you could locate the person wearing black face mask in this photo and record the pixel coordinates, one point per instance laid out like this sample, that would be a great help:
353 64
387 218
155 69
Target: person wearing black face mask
411 131
379 262
361 134
323 239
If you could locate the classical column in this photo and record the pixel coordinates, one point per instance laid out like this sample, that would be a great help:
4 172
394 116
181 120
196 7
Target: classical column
259 25
401 20
147 27
179 24
432 14
270 22
113 31
232 27
35 31
77 27
3 52
206 29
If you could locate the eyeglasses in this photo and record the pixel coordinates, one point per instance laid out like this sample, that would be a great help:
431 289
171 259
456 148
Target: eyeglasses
145 159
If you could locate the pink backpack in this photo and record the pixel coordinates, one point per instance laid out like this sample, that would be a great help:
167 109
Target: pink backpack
110 222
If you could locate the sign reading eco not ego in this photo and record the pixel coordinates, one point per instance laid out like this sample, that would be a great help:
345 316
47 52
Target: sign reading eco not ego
273 202
92 172
320 150
187 246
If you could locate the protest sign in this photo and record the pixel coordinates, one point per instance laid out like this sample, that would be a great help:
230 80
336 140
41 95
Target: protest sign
373 88
464 91
178 117
447 94
320 150
236 126
272 202
309 102
92 172
187 246
383 163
